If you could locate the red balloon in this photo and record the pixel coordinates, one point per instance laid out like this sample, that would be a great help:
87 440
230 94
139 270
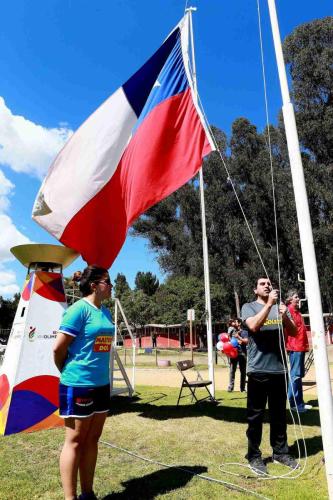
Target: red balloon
234 353
230 350
224 337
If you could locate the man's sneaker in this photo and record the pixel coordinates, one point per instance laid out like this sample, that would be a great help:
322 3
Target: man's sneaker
308 407
299 410
230 389
287 460
258 466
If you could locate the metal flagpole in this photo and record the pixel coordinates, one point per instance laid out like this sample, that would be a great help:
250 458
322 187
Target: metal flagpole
309 260
204 238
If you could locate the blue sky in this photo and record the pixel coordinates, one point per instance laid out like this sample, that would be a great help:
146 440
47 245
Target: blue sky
60 59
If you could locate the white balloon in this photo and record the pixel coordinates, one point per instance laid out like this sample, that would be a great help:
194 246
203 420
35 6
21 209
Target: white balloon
219 346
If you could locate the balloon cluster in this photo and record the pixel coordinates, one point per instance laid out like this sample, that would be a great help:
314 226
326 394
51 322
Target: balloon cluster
228 346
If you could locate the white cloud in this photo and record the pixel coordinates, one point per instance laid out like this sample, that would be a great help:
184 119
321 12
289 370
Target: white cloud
5 191
8 284
27 147
10 236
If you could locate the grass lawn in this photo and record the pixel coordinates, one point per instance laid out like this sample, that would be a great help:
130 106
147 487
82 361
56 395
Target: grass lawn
198 438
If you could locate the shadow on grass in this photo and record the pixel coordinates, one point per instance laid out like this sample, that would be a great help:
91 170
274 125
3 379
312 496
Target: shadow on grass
313 402
228 410
313 444
147 409
159 482
310 418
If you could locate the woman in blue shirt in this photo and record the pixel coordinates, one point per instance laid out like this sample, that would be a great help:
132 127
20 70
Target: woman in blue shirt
81 353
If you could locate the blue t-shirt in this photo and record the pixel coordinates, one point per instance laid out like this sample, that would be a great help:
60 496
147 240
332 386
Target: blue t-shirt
87 364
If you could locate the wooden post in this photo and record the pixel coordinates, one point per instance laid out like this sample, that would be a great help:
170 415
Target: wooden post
190 318
191 340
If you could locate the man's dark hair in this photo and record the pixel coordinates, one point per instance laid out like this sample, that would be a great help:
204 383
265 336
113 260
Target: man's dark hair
260 278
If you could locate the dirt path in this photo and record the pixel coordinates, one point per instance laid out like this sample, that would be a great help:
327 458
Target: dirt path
170 377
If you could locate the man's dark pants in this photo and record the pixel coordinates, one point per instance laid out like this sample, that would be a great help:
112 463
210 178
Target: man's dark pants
263 388
241 361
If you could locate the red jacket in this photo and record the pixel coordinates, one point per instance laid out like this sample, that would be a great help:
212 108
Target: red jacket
298 342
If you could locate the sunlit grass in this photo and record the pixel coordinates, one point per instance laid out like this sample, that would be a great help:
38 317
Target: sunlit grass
196 437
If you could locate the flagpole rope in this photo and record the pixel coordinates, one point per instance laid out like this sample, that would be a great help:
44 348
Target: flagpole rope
282 344
281 336
228 485
230 180
269 145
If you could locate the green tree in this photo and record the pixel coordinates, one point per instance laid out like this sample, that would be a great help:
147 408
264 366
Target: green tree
120 286
173 227
7 311
309 52
178 294
139 308
147 282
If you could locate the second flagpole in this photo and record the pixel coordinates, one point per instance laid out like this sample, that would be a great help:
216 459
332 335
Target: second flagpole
204 240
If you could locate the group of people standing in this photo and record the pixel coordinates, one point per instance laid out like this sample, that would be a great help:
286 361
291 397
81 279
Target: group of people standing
82 349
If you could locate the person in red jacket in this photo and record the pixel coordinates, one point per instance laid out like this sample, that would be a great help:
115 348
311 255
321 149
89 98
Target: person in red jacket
297 345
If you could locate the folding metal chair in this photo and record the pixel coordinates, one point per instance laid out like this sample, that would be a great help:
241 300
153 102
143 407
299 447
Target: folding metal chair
308 362
193 385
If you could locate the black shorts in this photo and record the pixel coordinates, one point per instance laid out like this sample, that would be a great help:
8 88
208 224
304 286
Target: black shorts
81 402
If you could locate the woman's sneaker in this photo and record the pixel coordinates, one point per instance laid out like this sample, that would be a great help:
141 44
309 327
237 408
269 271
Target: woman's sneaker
88 496
258 466
287 460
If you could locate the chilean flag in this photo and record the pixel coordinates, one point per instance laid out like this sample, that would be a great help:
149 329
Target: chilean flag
143 143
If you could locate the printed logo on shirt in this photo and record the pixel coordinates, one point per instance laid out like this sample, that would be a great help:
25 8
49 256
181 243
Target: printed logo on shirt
273 322
102 343
83 401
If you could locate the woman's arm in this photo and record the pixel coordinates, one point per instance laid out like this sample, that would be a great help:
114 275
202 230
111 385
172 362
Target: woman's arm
60 349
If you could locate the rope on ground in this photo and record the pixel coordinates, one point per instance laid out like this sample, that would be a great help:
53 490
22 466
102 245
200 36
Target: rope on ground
228 485
282 347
